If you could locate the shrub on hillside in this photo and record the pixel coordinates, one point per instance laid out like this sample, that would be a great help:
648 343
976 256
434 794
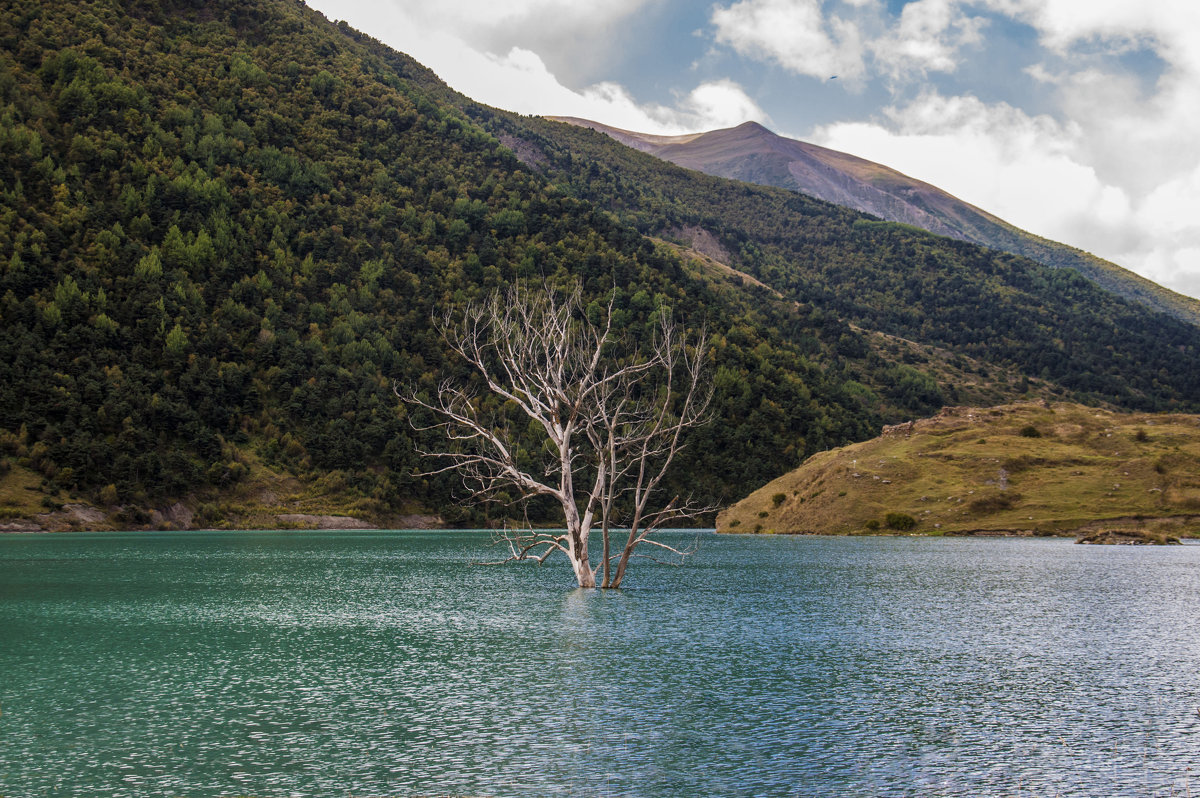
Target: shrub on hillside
994 504
901 522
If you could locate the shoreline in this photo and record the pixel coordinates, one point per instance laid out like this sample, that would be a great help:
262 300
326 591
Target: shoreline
81 517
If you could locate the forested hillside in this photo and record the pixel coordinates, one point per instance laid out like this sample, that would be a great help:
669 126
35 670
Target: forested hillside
1050 323
226 226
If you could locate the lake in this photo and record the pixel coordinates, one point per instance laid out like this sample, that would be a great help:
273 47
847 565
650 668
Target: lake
387 664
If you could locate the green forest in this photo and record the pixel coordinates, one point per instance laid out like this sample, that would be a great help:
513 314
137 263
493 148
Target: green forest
225 228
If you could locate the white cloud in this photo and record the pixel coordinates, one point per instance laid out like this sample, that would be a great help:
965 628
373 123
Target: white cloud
990 156
927 38
794 33
518 79
1037 173
500 24
1041 74
855 42
1173 24
716 104
520 82
557 14
1169 216
1136 134
576 39
1139 138
569 34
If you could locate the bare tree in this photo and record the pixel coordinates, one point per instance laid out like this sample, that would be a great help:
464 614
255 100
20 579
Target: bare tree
607 416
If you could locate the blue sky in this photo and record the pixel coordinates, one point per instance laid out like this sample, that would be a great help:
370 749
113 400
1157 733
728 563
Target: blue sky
1077 120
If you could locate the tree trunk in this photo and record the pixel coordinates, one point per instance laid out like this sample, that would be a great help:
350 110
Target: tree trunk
584 574
624 560
579 560
577 542
604 531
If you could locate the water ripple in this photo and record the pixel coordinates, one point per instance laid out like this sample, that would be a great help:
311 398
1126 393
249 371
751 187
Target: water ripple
383 663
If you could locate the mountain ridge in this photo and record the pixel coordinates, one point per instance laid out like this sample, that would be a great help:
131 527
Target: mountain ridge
755 154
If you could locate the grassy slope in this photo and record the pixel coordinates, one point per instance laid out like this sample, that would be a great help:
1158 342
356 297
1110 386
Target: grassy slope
267 498
1089 466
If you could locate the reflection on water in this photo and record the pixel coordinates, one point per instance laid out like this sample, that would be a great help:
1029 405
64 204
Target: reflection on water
383 663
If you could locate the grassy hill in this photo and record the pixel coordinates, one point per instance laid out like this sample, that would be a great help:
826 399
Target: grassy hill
1031 468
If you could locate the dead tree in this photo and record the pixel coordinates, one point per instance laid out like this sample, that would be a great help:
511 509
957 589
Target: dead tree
610 416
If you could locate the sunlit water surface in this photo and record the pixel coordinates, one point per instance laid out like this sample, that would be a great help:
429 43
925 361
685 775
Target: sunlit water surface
385 663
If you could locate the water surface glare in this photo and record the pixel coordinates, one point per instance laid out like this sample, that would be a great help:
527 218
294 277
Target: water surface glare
385 664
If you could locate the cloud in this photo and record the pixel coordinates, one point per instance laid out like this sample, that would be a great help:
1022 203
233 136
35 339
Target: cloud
715 104
518 79
988 155
927 38
502 23
576 39
856 42
1171 25
794 33
1038 173
1139 137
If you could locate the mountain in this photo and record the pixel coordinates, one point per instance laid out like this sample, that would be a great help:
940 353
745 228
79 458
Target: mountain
882 277
1033 468
228 224
226 229
752 153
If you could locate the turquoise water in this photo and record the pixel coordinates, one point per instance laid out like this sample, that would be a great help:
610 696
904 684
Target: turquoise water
384 663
